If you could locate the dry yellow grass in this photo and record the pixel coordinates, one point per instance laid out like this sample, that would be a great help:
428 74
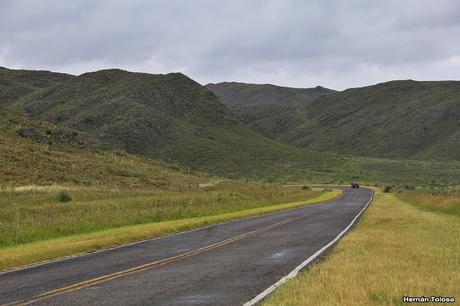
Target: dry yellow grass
54 248
434 200
395 250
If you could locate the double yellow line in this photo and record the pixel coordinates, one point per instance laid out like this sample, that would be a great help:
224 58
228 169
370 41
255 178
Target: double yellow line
150 265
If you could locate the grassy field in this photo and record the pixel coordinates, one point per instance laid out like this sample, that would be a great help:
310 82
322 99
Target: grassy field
37 226
397 249
442 201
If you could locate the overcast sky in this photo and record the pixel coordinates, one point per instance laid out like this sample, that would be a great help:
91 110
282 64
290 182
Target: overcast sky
337 44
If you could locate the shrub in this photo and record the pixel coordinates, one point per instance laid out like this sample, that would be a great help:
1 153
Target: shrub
306 187
64 196
387 189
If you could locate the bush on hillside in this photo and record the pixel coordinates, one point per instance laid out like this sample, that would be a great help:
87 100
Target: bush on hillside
387 189
64 196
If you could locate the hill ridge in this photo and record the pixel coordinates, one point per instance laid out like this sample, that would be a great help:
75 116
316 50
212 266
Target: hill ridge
394 119
175 119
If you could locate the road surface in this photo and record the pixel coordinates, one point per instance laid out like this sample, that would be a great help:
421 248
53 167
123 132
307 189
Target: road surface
225 264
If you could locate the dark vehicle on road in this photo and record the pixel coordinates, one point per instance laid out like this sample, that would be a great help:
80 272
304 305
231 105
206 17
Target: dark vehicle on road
354 184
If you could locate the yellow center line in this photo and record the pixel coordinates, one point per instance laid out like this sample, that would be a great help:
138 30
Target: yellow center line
150 265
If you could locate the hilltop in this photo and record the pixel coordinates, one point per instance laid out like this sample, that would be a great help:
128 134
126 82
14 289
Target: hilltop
236 95
268 109
15 84
398 119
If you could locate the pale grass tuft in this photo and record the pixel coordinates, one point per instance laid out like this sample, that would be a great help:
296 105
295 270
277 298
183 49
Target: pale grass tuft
50 188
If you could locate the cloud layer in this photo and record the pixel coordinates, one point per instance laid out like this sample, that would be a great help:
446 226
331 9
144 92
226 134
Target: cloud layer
337 44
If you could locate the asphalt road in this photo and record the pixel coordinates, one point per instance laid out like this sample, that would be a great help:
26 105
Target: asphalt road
226 264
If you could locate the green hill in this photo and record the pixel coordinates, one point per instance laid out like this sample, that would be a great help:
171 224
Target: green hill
270 110
398 119
168 117
173 119
39 153
15 84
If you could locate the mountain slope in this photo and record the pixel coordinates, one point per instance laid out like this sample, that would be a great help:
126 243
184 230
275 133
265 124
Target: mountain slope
168 117
270 110
174 119
140 113
39 153
398 119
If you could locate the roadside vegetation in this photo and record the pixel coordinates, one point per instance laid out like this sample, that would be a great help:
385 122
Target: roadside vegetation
406 244
38 225
445 201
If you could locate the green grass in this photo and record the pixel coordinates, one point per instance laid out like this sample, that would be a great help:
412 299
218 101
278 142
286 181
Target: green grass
36 226
395 250
29 216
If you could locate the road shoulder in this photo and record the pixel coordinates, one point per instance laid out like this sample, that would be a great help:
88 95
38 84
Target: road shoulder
396 250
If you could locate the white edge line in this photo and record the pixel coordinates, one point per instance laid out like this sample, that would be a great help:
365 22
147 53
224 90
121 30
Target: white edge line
297 269
91 253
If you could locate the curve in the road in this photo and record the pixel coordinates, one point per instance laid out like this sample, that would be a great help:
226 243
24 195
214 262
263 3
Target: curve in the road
224 264
306 262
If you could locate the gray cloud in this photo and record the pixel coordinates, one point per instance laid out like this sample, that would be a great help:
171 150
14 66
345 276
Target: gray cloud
337 44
